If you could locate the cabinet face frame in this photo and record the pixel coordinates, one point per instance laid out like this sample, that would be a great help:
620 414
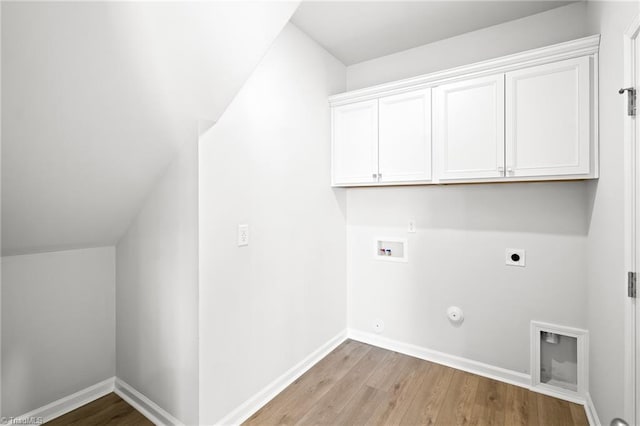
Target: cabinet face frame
442 96
582 142
341 176
388 137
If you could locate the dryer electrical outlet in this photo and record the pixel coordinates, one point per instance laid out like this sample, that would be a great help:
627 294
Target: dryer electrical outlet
515 257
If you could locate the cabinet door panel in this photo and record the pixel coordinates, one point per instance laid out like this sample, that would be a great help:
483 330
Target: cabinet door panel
355 143
404 145
470 128
548 119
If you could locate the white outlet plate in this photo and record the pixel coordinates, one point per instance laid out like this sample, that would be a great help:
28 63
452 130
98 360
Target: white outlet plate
412 226
243 235
378 326
515 257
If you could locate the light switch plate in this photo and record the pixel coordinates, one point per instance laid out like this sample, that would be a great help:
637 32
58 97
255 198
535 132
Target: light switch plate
243 235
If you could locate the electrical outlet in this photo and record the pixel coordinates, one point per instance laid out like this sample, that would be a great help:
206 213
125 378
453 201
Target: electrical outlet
412 226
514 257
243 235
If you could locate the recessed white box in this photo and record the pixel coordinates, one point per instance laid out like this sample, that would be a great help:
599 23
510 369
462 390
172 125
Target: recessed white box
390 249
555 368
515 257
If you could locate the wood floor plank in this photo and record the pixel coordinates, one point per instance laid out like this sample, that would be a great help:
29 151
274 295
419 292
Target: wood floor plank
393 371
298 398
129 419
361 408
426 404
460 399
578 414
399 391
81 412
553 411
521 407
111 415
327 408
489 407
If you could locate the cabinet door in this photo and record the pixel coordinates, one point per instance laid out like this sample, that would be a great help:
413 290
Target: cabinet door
355 143
548 119
404 144
469 129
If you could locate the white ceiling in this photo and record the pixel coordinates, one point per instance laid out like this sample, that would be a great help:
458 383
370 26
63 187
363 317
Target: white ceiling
356 31
96 99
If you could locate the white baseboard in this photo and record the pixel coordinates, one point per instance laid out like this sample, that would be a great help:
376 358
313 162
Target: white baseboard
68 403
253 404
144 405
464 364
592 416
559 393
475 367
159 416
257 401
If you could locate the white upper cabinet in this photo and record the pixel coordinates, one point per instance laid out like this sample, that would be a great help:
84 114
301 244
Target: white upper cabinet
386 140
469 129
548 119
524 117
355 143
404 144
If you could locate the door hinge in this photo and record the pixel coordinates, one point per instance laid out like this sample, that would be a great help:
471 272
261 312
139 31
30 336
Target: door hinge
631 284
631 100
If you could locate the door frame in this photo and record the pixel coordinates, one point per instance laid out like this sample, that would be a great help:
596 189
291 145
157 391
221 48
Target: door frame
632 219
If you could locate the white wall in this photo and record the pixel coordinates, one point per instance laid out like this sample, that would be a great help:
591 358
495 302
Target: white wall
266 163
58 324
160 66
457 257
556 25
605 255
157 293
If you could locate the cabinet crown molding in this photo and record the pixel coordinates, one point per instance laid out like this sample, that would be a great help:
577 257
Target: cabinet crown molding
571 49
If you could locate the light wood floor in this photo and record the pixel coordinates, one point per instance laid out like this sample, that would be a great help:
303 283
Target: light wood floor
358 384
108 410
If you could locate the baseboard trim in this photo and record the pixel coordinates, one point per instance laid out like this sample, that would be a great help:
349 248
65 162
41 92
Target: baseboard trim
257 401
144 405
475 367
592 415
464 364
159 416
68 403
560 394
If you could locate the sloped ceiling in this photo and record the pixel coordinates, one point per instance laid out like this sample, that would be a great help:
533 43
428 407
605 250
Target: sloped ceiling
356 31
98 96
